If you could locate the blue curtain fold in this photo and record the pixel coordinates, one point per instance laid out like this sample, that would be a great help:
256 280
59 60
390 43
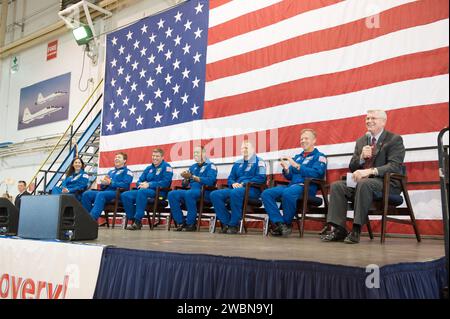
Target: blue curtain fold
126 273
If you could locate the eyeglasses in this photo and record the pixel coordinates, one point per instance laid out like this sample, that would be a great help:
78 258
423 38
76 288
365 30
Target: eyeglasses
373 118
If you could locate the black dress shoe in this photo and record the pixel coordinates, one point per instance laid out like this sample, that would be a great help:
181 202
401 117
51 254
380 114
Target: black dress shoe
135 226
180 227
352 238
335 235
192 227
232 230
224 229
276 230
286 230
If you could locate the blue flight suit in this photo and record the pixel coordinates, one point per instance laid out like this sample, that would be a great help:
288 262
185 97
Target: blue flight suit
76 183
160 176
312 165
207 172
252 170
94 201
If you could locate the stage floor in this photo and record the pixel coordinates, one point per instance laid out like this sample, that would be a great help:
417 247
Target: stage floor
255 245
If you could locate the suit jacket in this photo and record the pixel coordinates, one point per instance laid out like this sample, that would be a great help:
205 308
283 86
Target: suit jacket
388 157
18 197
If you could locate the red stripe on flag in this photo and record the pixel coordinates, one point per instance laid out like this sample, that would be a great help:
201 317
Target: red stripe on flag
395 19
426 118
403 68
264 17
217 3
421 119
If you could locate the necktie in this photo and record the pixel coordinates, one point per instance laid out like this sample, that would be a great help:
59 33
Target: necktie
369 161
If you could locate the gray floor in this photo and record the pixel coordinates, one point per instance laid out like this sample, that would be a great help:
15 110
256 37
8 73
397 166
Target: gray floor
254 245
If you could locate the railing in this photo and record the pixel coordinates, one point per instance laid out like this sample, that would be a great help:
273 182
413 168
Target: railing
443 176
69 132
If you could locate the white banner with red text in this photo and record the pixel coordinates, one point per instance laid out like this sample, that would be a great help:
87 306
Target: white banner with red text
31 269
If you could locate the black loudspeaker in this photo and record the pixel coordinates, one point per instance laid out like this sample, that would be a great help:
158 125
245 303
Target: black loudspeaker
55 217
9 217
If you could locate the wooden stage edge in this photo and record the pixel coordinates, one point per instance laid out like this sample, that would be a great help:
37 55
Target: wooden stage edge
255 245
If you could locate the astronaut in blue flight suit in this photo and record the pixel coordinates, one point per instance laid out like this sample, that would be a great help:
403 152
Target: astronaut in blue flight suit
159 174
76 180
203 172
310 163
250 168
120 177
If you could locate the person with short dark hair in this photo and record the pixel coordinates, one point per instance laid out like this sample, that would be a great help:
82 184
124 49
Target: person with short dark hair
119 177
158 174
22 188
203 172
76 180
249 169
309 163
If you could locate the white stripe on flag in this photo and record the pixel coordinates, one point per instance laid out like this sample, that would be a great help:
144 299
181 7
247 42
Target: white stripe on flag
236 8
311 21
403 42
410 141
393 96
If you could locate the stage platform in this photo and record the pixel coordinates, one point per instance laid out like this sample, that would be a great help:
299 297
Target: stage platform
255 245
168 264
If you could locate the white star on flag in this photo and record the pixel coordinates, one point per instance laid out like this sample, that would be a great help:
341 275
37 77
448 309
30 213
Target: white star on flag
197 57
132 109
156 70
184 98
158 93
167 103
161 24
194 109
150 82
198 33
198 9
158 118
129 35
186 73
195 82
169 32
187 25
178 16
149 106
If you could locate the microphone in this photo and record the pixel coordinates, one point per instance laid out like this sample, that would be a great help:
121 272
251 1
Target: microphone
369 138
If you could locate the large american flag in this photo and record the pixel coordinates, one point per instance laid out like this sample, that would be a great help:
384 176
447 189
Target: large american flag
214 72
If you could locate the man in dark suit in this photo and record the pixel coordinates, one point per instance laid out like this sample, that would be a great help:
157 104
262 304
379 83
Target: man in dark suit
376 153
22 187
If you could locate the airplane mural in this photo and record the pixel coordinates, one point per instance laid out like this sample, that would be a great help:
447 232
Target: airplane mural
41 99
29 117
44 102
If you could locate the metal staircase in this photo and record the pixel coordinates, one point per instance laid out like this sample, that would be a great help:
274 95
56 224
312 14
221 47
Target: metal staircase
84 143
